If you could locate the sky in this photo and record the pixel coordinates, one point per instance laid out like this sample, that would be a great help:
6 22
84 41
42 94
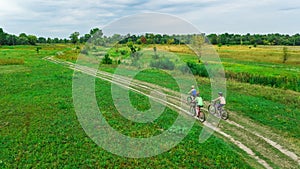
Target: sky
60 18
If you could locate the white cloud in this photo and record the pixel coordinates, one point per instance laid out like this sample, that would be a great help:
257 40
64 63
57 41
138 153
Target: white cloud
62 17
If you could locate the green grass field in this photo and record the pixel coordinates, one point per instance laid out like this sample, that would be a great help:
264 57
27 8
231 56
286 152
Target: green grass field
39 126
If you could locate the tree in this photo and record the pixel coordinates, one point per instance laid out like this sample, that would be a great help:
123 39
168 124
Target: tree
42 40
131 47
85 38
32 40
22 35
143 40
55 40
49 40
2 37
213 39
197 43
74 37
11 39
170 41
22 41
96 32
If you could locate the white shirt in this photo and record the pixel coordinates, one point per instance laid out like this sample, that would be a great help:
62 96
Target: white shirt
222 100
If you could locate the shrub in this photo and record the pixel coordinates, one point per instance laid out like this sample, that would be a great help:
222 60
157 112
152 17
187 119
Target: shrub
107 59
123 52
164 63
38 49
84 51
197 69
285 54
184 69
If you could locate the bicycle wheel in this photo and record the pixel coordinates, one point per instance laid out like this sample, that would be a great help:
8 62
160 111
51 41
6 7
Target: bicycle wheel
212 109
193 110
201 116
224 114
189 99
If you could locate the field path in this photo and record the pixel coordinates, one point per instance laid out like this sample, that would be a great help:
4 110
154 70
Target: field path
265 151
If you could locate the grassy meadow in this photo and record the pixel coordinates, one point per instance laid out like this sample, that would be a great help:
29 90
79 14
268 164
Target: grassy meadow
39 126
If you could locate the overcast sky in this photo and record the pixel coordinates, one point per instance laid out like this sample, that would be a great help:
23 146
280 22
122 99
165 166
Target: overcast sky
59 18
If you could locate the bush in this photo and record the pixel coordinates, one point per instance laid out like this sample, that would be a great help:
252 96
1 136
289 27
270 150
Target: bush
197 69
38 49
164 63
84 51
123 52
184 69
107 59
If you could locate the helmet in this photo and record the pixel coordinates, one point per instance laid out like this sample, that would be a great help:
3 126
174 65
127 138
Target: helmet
220 93
193 86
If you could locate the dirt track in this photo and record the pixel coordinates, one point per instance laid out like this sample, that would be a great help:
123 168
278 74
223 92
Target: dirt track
246 136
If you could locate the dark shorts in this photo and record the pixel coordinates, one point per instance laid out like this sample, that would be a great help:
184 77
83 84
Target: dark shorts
220 105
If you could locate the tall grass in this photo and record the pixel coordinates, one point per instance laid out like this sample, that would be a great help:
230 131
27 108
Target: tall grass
11 61
285 82
277 81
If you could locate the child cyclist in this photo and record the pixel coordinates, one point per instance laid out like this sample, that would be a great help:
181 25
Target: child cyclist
193 92
221 100
199 102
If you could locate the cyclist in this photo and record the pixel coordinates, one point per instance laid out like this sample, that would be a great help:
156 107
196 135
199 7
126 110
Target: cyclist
193 92
199 102
221 100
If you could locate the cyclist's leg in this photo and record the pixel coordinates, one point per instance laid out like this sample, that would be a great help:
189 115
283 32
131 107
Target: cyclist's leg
221 107
199 112
218 106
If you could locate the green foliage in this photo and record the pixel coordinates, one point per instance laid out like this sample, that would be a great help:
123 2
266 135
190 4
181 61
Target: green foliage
132 47
123 52
84 51
107 59
196 69
184 69
32 40
74 37
38 49
163 63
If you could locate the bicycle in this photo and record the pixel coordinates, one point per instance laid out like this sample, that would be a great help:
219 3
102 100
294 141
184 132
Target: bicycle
196 111
212 109
189 99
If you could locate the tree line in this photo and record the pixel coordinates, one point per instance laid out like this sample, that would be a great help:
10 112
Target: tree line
150 38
